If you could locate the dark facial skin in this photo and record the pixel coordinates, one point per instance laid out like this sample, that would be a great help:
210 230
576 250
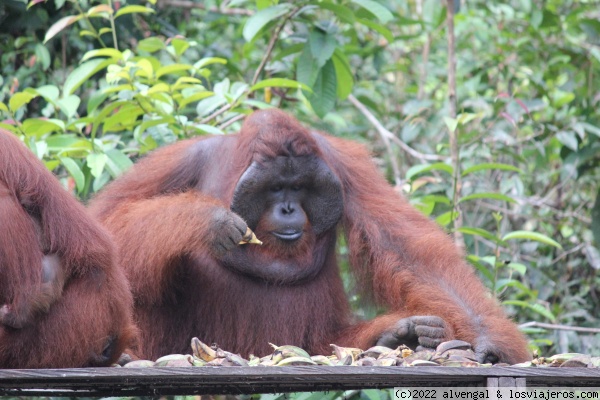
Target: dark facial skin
296 200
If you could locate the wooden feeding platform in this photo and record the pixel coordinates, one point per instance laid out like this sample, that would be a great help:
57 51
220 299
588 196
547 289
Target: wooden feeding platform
159 381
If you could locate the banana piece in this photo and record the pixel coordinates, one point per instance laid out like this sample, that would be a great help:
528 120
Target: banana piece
250 237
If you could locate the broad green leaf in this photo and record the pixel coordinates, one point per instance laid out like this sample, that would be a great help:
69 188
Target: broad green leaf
468 230
343 72
60 25
538 308
160 87
342 12
591 128
280 82
19 99
117 162
211 130
3 107
520 268
261 18
98 10
378 10
209 60
324 91
82 73
488 195
527 235
151 44
420 168
485 271
569 139
40 127
451 123
194 97
561 98
446 218
107 52
486 166
173 68
322 46
385 32
133 9
43 56
306 68
68 105
180 45
74 171
96 162
49 92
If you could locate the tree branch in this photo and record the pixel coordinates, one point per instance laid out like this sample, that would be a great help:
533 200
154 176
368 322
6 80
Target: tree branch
453 134
387 135
535 324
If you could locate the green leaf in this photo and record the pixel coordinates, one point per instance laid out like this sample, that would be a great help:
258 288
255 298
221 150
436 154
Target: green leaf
40 127
306 68
60 25
569 139
43 56
379 11
133 9
98 10
68 105
451 123
19 99
117 162
520 268
194 97
420 168
324 91
171 69
82 73
260 19
49 92
468 230
209 60
486 166
485 271
343 72
108 52
180 45
488 195
322 46
527 235
538 308
211 130
280 82
96 162
385 32
151 44
74 171
343 13
446 218
3 107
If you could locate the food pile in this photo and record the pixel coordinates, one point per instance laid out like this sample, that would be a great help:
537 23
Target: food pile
454 353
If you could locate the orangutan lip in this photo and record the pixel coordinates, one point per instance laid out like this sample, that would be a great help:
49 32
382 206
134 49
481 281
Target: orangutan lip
288 235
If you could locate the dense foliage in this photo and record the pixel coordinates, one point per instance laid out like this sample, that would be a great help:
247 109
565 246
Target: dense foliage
99 83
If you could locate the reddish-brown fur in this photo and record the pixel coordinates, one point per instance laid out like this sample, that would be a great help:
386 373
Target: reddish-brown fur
72 326
161 213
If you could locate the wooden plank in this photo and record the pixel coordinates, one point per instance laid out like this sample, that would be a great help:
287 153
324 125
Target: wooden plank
247 380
